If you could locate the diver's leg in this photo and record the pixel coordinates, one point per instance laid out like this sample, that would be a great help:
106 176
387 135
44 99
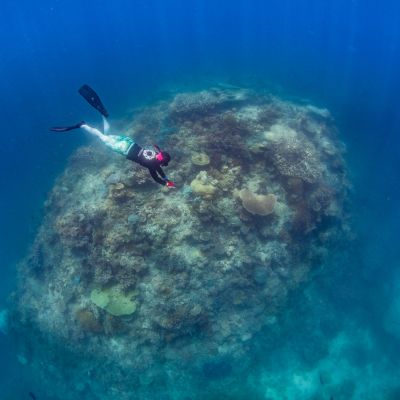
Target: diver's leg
119 144
94 131
106 125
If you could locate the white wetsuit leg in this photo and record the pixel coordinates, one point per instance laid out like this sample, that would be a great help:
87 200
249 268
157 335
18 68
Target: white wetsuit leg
119 144
106 125
94 131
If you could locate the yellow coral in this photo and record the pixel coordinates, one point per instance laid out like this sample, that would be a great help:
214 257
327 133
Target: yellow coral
114 300
200 159
201 186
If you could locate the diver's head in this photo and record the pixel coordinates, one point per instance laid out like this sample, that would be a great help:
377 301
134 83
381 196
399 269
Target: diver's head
164 158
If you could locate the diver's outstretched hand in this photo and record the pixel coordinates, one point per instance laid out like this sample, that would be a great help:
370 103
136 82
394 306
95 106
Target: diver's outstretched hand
171 184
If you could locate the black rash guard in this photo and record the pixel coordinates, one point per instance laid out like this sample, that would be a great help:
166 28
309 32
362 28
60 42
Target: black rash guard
147 158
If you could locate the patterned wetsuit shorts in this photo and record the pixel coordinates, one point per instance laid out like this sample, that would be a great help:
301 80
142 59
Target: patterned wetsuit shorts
119 144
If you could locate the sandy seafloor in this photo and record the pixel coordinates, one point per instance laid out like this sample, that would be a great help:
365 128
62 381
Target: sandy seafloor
339 332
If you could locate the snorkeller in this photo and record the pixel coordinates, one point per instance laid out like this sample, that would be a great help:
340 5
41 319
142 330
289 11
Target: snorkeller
151 159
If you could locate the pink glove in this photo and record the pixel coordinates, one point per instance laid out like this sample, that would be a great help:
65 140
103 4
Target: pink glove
171 184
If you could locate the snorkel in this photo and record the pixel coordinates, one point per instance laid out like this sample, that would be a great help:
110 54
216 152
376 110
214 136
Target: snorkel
162 156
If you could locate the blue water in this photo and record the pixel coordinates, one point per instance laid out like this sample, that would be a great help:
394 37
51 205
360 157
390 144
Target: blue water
343 55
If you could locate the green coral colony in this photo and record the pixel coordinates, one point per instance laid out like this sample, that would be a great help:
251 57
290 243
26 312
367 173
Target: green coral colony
114 300
147 288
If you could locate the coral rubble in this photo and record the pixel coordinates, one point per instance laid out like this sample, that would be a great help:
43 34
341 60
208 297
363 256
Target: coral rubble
131 287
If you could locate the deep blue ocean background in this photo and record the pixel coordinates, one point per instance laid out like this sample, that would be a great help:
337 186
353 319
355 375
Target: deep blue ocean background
340 54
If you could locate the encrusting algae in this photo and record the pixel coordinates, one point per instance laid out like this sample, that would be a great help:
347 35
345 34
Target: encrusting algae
150 288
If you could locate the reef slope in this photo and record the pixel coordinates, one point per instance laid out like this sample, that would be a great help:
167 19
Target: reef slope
133 288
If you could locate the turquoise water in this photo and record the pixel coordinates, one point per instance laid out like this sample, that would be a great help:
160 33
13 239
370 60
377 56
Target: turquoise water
339 55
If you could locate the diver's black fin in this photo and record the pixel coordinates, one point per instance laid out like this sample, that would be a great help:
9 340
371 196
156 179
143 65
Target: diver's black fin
66 128
93 99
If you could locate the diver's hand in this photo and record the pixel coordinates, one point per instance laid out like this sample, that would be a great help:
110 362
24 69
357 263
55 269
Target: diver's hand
170 184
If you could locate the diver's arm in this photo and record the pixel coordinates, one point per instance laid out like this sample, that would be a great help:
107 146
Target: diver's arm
165 177
161 173
154 175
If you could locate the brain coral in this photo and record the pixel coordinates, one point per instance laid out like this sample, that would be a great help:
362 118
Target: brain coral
200 159
184 279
